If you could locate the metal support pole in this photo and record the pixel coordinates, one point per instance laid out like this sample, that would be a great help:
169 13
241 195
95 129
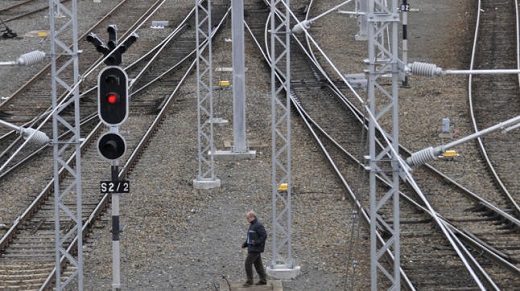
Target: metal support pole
239 82
240 147
64 43
405 7
282 265
383 20
116 251
206 176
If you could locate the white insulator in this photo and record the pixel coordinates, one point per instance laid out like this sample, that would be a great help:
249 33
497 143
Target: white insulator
425 69
31 58
39 137
304 25
422 157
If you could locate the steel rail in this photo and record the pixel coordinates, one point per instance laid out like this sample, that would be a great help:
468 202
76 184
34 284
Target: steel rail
27 13
45 193
151 10
457 246
46 68
408 284
489 164
134 157
485 203
451 237
154 52
16 5
468 239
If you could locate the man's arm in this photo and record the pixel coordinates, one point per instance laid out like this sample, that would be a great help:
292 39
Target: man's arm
262 234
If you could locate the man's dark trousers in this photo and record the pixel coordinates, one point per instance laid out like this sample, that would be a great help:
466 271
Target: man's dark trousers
256 259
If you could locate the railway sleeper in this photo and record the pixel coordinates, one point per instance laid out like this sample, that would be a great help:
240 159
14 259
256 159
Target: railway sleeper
418 220
42 235
505 243
461 288
482 232
490 213
508 245
479 207
35 286
45 257
488 246
442 273
27 265
306 85
24 246
419 249
415 235
507 224
28 277
434 285
472 219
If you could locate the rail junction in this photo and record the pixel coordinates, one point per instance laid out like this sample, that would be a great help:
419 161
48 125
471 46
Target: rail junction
418 238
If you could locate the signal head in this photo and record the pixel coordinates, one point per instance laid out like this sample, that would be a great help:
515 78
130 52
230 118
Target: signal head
113 95
111 146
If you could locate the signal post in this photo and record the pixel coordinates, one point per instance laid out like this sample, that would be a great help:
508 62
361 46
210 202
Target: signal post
113 107
113 110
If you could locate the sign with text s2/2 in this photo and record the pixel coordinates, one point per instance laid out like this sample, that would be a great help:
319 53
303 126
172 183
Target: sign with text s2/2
114 186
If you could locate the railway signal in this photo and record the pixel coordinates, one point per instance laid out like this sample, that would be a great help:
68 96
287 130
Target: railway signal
113 95
111 146
111 49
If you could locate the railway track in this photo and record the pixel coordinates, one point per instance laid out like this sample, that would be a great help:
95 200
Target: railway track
36 109
20 9
468 218
494 98
17 109
26 262
428 258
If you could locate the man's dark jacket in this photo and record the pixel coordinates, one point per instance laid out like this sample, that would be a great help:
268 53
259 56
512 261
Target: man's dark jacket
257 236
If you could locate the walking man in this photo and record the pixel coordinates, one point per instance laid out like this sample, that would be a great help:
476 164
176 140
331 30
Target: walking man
255 244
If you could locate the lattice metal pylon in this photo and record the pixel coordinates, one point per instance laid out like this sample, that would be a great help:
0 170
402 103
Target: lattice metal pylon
67 188
206 178
383 21
282 264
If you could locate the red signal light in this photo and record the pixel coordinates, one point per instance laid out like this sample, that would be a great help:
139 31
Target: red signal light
112 98
113 95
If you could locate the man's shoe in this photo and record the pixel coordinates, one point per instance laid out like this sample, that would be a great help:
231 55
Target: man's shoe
247 284
261 283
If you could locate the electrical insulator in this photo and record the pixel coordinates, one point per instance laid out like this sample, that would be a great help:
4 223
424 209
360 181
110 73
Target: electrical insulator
300 27
37 137
425 69
31 58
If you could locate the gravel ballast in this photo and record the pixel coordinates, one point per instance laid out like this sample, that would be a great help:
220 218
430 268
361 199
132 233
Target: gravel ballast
178 238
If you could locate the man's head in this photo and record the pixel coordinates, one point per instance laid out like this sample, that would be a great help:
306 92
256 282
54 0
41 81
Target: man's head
250 216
